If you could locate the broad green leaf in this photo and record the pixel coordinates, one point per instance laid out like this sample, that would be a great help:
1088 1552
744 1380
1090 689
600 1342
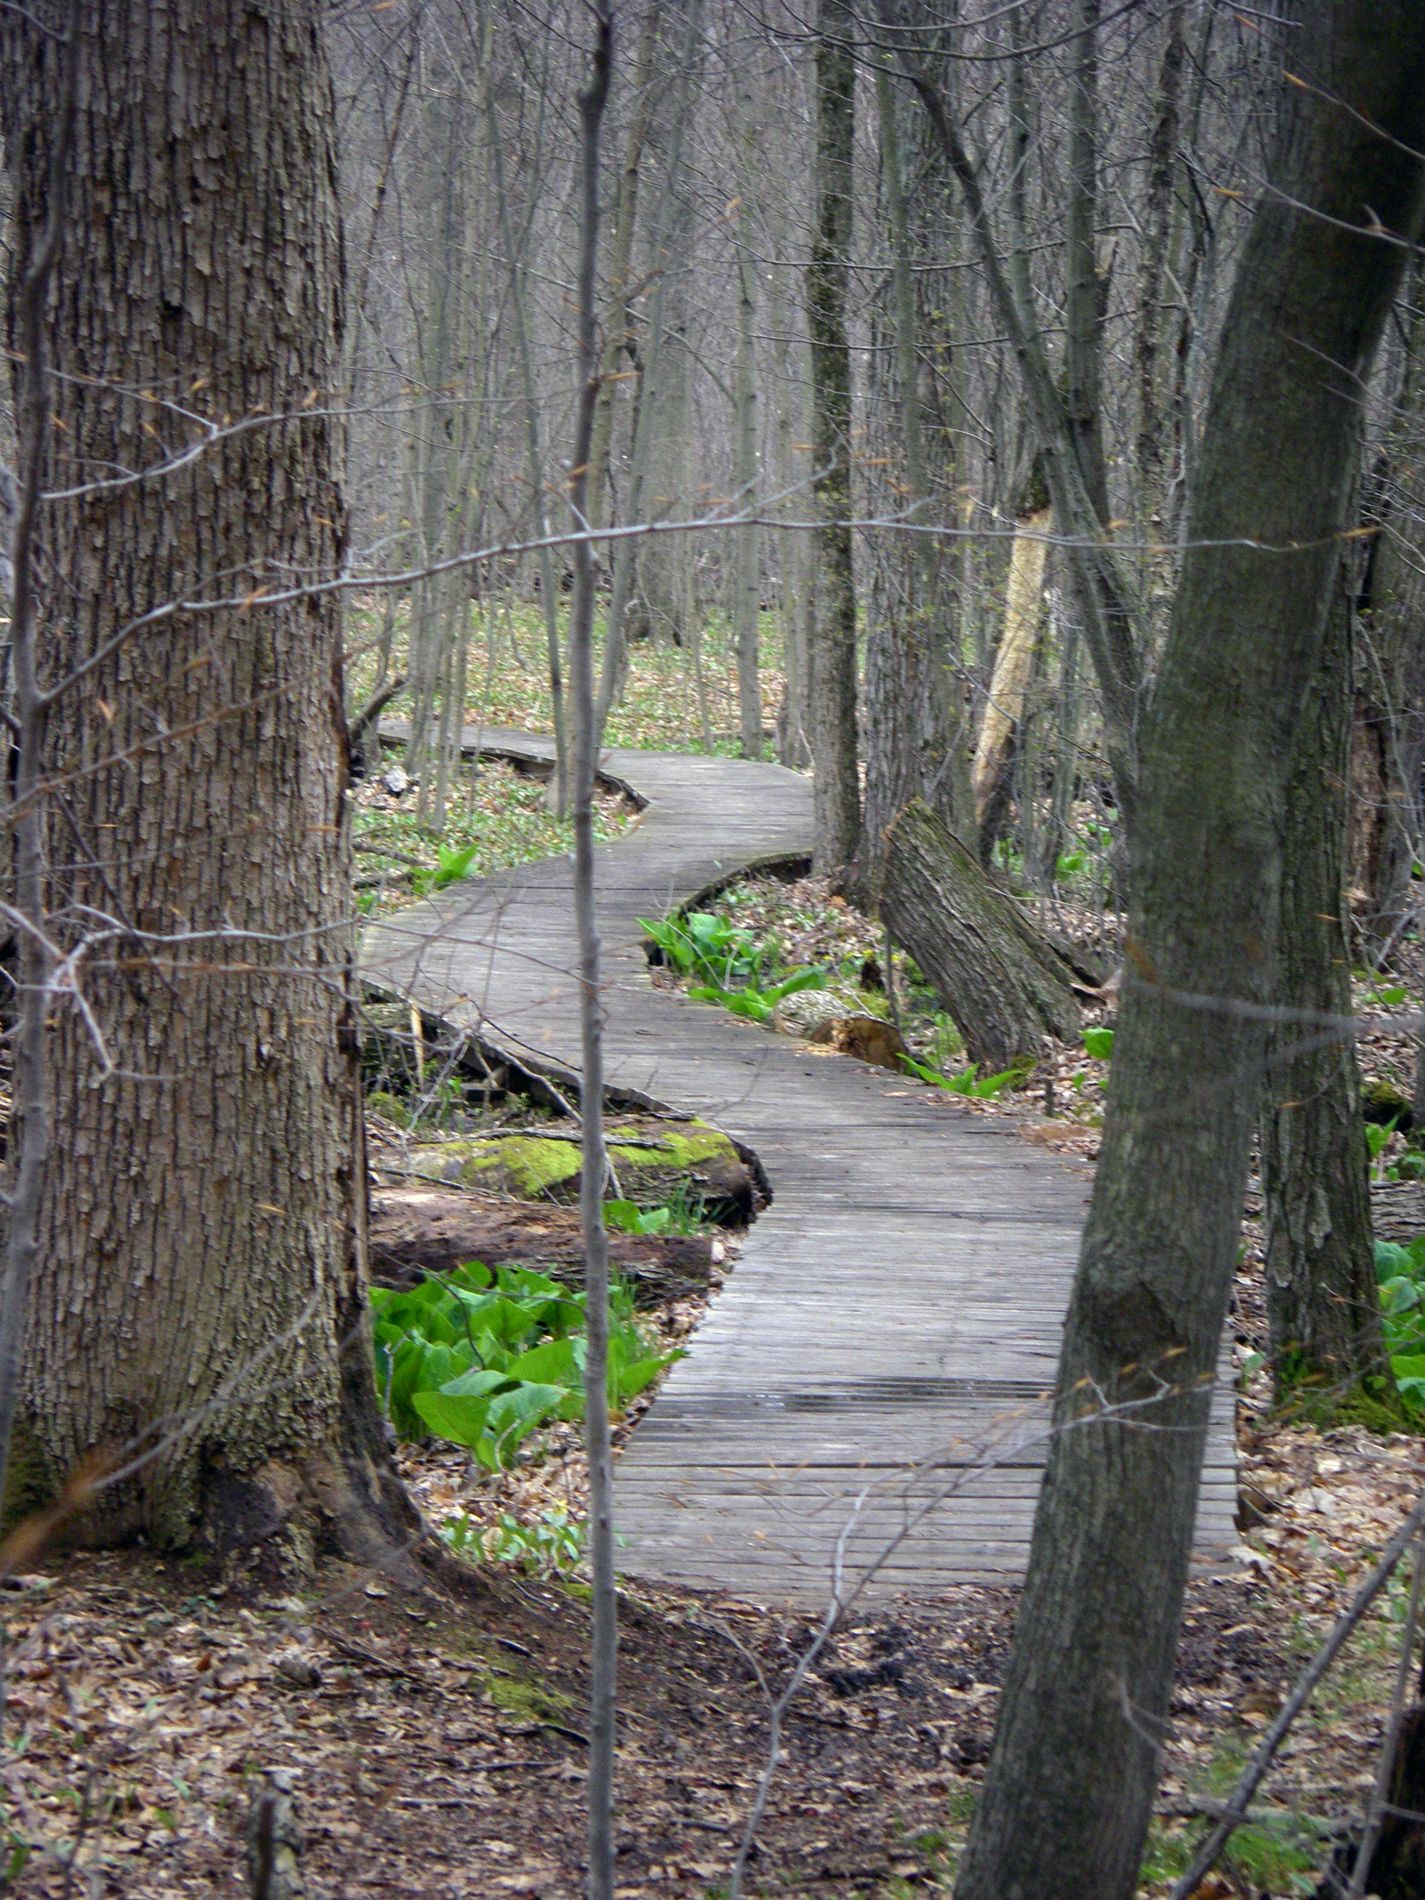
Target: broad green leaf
1391 1260
553 1362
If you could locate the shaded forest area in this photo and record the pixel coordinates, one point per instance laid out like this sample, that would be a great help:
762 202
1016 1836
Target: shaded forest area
1009 415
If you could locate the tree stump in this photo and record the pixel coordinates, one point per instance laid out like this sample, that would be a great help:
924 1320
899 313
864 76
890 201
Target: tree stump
1002 981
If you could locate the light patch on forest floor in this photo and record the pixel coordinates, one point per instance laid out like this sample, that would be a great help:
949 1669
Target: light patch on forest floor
673 700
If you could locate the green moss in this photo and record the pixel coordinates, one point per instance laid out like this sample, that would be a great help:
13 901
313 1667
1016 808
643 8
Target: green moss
28 1486
532 1165
528 1697
1383 1101
542 1167
1313 1398
685 1145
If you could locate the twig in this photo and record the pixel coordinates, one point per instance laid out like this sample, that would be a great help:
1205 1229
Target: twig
355 1652
1235 1810
1385 1768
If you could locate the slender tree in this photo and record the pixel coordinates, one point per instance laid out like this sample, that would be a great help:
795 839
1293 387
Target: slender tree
833 660
1323 1305
603 1686
1092 1666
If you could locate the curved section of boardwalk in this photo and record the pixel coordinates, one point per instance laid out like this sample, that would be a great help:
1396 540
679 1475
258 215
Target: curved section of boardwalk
868 1388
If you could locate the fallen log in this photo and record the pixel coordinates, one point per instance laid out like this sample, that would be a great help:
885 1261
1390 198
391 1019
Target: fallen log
654 1161
417 1230
1003 983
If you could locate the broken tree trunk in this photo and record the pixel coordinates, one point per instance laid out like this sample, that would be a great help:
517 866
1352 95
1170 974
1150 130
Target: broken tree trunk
1014 662
1004 983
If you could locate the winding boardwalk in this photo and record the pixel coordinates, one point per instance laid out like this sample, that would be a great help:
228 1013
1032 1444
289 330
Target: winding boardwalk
869 1384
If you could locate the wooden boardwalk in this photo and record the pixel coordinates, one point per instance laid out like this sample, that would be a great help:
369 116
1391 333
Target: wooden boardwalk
868 1389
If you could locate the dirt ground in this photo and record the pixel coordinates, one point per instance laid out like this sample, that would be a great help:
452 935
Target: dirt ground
438 1748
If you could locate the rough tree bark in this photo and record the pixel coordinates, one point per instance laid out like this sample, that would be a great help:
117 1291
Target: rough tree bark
833 681
1322 1303
912 746
1091 1671
201 1296
1004 985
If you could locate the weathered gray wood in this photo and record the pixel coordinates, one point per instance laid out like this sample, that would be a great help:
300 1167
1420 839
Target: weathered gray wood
894 1319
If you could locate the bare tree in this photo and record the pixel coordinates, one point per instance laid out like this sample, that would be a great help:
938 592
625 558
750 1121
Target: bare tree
833 660
1092 1663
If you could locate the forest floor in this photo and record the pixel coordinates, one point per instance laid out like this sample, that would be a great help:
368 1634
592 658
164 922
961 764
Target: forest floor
438 1748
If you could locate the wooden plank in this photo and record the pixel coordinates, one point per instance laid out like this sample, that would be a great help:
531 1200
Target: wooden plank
902 1295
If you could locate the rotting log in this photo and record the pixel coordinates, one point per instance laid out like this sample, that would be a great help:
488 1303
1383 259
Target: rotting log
653 1162
1002 981
416 1230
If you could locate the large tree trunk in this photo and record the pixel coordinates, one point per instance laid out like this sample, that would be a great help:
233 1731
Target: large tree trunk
833 670
1003 984
1322 1302
201 1293
1091 1671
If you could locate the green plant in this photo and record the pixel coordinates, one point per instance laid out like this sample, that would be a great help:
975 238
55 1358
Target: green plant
1099 1044
1386 995
757 1004
483 1358
680 1214
942 1042
1400 1273
452 863
1378 1136
969 1081
552 1545
700 943
727 961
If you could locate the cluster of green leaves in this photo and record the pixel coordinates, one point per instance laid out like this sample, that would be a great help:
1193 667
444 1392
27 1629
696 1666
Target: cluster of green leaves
1400 1272
969 1081
1087 857
727 962
452 862
681 1214
553 1543
1407 1165
483 1358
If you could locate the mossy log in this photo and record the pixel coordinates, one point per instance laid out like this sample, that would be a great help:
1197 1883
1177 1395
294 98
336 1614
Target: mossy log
1002 981
653 1160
